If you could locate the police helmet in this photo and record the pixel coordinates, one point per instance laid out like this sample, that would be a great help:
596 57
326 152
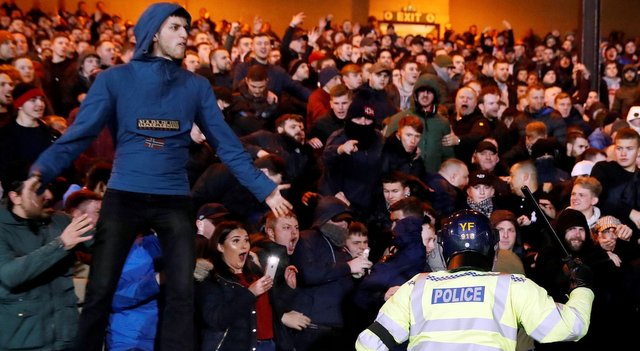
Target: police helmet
467 236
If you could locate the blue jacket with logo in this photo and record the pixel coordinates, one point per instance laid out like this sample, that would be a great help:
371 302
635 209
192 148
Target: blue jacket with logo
149 105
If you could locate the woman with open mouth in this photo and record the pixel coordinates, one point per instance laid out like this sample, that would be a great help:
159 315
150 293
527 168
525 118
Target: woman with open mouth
233 308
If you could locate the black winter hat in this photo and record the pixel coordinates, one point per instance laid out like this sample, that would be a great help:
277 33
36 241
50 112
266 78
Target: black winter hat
294 65
544 147
362 105
571 218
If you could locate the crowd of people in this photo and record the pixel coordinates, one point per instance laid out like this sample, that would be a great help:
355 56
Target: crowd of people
152 172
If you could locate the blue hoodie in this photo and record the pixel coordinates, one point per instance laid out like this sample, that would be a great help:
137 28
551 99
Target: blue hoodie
149 105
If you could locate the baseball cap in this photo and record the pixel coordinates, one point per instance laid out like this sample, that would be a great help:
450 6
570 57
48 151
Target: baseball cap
486 145
380 67
367 42
606 222
481 177
582 168
212 210
443 61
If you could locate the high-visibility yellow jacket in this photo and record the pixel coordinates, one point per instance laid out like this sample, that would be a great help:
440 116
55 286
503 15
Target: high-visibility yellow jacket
475 310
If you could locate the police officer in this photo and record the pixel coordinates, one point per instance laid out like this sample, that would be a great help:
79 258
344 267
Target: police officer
469 307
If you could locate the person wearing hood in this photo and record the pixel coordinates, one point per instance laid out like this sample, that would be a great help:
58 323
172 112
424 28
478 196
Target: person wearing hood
150 105
573 230
629 92
425 101
549 270
324 275
352 156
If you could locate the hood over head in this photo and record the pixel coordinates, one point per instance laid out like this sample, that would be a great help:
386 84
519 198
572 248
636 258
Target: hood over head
327 208
429 82
569 218
149 23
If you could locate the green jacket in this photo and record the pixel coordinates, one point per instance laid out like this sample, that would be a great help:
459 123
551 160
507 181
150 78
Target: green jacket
436 127
38 308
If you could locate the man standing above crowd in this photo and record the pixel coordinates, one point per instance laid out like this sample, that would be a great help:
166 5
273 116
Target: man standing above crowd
152 139
426 98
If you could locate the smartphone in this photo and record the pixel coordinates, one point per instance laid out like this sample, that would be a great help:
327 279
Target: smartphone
272 266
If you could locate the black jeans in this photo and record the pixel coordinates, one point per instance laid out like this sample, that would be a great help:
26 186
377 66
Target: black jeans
123 215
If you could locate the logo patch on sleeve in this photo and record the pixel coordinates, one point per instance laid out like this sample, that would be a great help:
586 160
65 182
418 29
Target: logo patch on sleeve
159 124
462 294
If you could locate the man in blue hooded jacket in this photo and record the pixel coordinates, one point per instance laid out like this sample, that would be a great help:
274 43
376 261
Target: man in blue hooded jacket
149 105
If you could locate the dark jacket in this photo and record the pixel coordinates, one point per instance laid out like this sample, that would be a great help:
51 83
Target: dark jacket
409 259
218 184
324 278
620 190
445 198
248 113
324 126
279 79
38 308
226 313
555 125
471 129
281 295
435 126
396 158
356 175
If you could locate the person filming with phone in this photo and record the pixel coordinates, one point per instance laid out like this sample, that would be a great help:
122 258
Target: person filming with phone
234 309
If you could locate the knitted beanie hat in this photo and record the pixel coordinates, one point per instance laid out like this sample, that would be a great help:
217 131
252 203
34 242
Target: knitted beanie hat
24 92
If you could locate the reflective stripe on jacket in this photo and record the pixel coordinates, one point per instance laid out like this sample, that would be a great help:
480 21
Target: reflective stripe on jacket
475 310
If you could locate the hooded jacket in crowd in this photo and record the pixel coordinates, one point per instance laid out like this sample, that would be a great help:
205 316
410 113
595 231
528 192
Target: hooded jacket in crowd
548 271
435 126
409 259
629 93
38 305
324 277
149 105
